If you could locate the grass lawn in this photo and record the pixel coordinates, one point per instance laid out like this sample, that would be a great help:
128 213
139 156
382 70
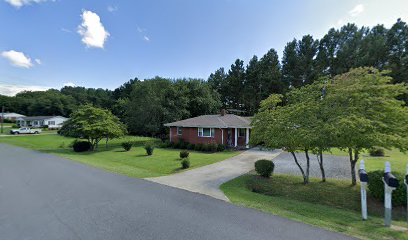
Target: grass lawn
134 163
397 159
333 205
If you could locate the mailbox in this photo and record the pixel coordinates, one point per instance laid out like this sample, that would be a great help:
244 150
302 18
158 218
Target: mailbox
363 175
390 180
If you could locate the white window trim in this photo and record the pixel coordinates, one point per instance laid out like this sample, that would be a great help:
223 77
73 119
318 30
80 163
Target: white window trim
239 130
201 130
179 128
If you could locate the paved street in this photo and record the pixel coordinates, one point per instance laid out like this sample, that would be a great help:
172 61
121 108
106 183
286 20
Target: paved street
47 197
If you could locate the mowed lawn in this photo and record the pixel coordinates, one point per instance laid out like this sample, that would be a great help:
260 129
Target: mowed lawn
398 160
113 158
334 205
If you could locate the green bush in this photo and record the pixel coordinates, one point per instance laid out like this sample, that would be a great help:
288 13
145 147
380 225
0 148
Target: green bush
81 146
185 163
182 144
176 145
264 167
15 126
127 146
221 147
149 149
376 187
184 154
377 152
190 146
198 147
212 147
205 148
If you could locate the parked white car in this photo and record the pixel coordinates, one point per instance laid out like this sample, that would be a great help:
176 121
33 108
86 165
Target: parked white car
25 130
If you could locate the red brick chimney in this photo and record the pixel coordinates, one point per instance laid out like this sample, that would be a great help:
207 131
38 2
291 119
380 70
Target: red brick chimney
222 113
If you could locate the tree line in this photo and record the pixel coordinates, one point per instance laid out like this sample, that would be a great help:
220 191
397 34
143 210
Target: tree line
144 105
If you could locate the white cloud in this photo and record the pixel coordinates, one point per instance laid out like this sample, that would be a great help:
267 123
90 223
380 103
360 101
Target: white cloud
146 38
66 30
92 31
17 59
38 61
13 89
357 10
69 84
20 3
112 8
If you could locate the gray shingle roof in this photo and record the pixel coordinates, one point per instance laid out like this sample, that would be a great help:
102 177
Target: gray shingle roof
38 118
215 121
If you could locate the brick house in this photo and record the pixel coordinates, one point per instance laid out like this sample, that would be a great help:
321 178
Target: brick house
228 129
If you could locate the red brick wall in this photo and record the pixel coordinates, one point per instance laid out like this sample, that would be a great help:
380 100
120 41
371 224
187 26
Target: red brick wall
191 135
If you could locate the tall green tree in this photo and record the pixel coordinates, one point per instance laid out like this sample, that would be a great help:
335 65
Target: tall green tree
93 124
365 112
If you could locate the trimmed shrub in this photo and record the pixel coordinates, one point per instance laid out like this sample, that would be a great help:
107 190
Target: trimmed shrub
376 187
184 154
204 148
182 144
190 146
221 147
149 149
198 147
81 146
264 167
15 126
212 147
127 146
185 163
377 152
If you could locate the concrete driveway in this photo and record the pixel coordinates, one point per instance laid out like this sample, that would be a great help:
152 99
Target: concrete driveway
44 197
207 180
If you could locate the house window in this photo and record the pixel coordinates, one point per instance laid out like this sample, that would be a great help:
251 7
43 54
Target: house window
179 130
241 132
51 122
206 132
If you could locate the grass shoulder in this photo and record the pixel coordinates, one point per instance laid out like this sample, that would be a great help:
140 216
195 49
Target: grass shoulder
333 205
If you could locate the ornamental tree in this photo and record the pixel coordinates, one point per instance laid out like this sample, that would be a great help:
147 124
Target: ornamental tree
93 124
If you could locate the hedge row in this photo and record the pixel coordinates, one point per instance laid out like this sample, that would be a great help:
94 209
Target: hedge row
210 147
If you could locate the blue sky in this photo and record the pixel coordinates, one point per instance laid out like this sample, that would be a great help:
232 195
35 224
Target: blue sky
104 43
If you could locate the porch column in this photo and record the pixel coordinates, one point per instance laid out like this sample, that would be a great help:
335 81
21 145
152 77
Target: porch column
170 134
222 136
247 138
236 137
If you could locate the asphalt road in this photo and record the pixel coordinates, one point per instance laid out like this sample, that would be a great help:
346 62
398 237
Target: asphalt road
47 197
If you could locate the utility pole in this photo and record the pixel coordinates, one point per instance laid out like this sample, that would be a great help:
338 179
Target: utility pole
2 118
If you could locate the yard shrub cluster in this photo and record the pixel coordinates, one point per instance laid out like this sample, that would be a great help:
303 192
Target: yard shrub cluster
185 163
81 146
376 188
264 167
184 154
149 149
207 147
127 145
377 152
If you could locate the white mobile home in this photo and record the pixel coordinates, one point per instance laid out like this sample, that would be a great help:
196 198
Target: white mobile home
52 122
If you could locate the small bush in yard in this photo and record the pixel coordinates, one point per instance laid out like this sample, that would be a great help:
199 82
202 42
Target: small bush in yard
376 187
377 152
185 163
212 147
264 167
198 147
127 146
220 147
149 149
184 154
81 146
